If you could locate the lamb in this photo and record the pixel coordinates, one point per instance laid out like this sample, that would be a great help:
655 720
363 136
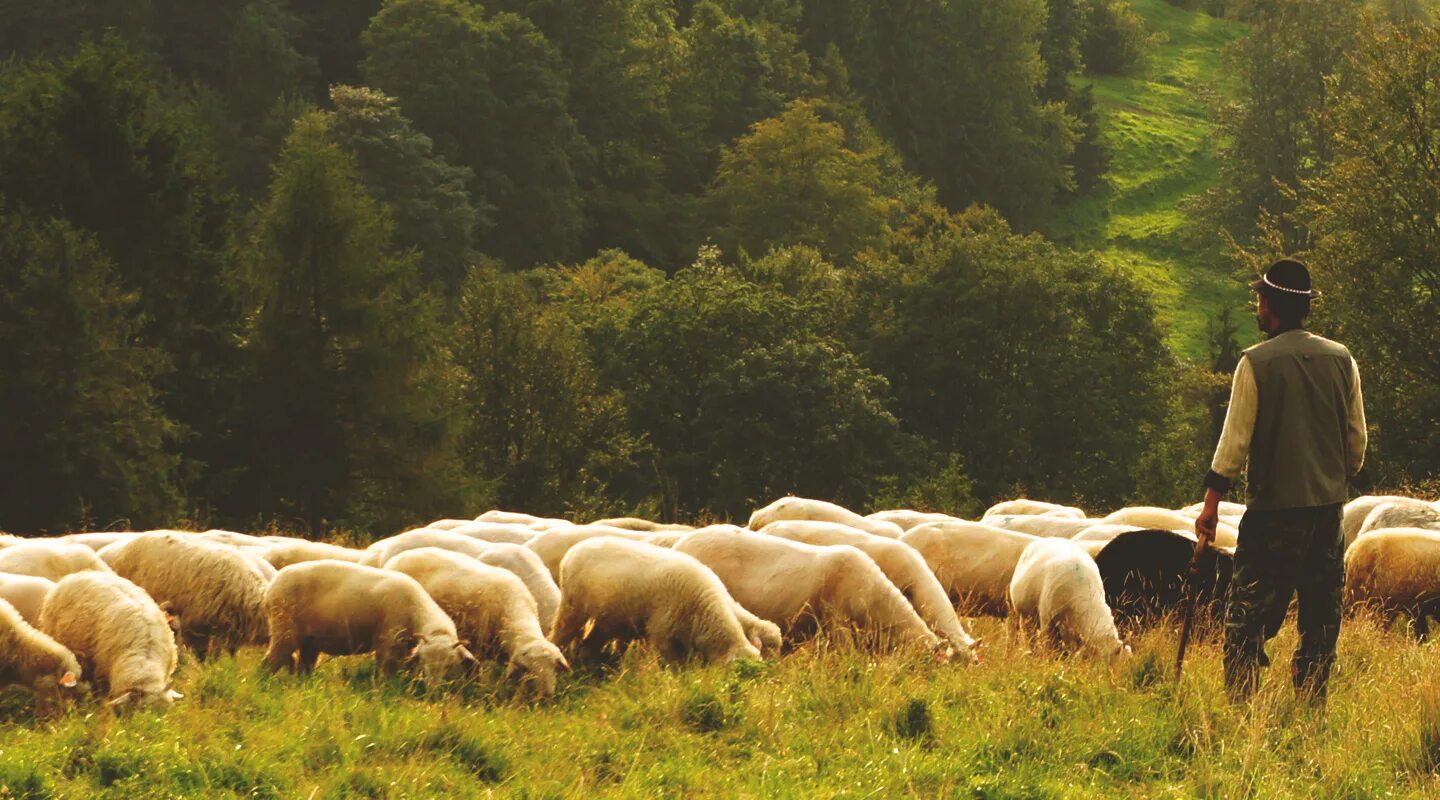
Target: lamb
1400 515
632 590
339 608
1060 527
902 564
506 533
492 611
800 508
552 545
281 556
117 630
1396 572
49 558
974 562
1057 587
214 591
907 519
800 587
26 593
31 658
1031 507
1358 509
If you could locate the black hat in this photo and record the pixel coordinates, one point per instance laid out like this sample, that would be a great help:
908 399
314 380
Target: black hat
1286 277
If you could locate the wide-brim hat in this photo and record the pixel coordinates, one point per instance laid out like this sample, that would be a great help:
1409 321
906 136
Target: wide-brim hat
1288 276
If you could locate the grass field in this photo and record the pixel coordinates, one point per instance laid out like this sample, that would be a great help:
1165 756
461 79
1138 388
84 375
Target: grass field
825 721
1159 126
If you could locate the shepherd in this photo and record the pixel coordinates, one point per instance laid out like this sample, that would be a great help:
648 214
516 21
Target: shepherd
1297 415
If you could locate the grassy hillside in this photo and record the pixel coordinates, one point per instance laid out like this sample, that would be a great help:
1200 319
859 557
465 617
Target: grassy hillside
822 722
1158 125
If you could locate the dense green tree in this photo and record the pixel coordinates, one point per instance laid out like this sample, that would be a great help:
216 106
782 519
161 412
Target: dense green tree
1375 212
793 180
332 36
743 400
427 196
85 441
91 140
955 85
351 421
492 93
1039 367
1060 45
1277 132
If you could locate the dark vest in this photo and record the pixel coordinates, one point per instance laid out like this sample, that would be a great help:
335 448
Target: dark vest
1298 453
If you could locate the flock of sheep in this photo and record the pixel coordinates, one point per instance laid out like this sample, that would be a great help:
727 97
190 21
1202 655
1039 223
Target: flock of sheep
103 612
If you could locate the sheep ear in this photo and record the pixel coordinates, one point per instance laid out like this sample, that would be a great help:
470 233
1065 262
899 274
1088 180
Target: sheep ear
564 665
68 680
174 695
466 656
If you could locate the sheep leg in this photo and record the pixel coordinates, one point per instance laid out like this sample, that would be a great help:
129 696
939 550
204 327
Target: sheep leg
281 655
569 625
309 654
1422 624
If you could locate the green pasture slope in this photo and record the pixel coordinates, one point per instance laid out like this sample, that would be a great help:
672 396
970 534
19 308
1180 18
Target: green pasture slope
1159 126
825 721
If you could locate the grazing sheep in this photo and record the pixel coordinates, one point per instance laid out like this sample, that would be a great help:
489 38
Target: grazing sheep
800 508
1057 588
1396 572
1030 508
1103 532
907 519
1146 574
505 533
552 545
801 587
528 567
493 612
516 518
901 563
214 591
231 538
385 549
26 593
31 658
116 630
281 556
339 608
97 541
1358 509
631 590
49 558
1400 515
973 562
1058 527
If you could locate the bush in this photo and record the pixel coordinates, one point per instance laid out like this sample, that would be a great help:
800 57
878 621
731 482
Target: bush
1116 38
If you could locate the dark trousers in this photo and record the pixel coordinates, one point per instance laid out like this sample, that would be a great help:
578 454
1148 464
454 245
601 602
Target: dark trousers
1283 553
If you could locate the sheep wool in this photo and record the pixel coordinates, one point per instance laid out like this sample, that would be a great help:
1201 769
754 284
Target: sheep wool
30 658
1057 588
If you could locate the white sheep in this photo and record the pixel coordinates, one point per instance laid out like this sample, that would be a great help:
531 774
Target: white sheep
645 525
1149 517
26 593
493 612
98 540
800 587
1044 526
1024 507
1103 532
1400 515
281 556
1396 572
907 519
1057 588
901 563
801 508
1358 509
214 591
525 565
230 538
503 533
516 518
339 608
30 658
552 545
1225 507
448 524
624 590
115 628
49 558
973 562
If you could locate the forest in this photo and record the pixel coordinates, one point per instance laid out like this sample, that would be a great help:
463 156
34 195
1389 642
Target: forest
345 264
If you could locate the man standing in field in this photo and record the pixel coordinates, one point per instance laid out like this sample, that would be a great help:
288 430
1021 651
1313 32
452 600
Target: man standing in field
1296 413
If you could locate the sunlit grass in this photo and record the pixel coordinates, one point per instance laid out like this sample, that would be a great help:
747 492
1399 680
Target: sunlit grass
825 720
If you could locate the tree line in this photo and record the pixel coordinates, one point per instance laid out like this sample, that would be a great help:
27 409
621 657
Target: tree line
358 263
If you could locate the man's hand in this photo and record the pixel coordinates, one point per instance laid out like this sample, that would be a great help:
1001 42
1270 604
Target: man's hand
1209 519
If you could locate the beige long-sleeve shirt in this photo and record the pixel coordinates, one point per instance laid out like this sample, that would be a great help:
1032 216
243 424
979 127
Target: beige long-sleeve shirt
1234 447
